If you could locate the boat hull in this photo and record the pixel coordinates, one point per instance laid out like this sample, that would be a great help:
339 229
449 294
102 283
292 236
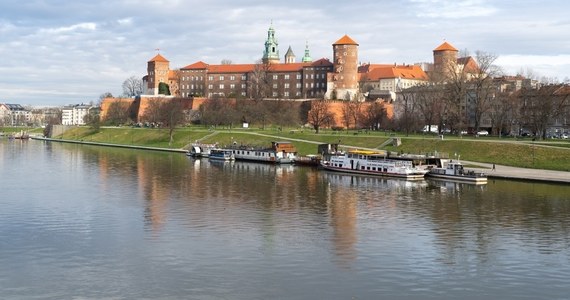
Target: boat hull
469 179
409 176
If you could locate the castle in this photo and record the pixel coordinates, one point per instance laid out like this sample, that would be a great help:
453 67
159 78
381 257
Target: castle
345 78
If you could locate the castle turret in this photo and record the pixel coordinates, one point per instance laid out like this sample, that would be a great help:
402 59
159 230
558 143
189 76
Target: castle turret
444 60
307 58
345 75
289 56
271 52
157 72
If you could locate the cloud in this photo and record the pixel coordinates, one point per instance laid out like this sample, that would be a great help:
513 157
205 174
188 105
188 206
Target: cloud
453 9
81 49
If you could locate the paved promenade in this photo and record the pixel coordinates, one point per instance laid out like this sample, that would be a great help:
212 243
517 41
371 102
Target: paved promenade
520 173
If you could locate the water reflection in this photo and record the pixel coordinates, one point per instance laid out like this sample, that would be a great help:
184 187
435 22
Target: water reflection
212 228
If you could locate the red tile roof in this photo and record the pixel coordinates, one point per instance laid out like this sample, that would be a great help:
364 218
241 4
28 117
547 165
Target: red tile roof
159 58
237 68
406 72
322 62
245 68
200 65
445 47
345 40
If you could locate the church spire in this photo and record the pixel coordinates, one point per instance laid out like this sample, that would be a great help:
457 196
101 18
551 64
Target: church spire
271 52
307 57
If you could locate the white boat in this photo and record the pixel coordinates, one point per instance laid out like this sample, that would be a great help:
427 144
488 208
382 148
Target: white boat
372 163
453 170
221 154
279 152
201 150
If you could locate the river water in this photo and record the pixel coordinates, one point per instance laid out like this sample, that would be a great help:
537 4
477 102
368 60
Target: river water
86 222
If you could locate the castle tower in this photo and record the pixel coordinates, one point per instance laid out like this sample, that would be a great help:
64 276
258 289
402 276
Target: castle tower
444 60
157 72
289 56
345 74
307 58
271 52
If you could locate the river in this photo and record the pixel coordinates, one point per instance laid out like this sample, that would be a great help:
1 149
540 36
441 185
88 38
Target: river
88 222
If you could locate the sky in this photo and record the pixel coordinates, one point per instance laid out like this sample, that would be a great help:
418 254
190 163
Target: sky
61 52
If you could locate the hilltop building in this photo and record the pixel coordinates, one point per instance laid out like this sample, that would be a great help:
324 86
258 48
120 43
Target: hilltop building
75 114
344 78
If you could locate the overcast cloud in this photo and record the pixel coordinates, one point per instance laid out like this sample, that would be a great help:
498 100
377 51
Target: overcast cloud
64 52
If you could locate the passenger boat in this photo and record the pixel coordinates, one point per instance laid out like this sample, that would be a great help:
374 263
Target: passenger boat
279 152
453 170
221 154
372 163
201 150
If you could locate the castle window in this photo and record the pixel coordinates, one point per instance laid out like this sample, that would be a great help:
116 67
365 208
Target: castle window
287 94
232 86
299 76
232 77
243 77
221 86
275 77
286 76
210 77
286 85
221 77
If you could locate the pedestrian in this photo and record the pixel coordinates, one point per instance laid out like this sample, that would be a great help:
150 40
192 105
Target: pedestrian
493 167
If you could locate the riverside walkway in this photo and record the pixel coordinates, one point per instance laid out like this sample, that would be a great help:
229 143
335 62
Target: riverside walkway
519 173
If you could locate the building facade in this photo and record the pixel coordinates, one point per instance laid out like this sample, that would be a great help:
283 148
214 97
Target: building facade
14 115
75 114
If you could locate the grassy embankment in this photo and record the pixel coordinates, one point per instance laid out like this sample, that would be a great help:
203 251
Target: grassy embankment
510 152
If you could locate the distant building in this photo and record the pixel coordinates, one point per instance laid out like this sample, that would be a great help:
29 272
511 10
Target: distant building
14 115
75 114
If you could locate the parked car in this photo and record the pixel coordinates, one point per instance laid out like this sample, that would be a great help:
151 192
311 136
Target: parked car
483 132
564 136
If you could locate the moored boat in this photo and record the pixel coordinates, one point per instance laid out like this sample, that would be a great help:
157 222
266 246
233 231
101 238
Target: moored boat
201 150
221 154
279 152
454 170
372 163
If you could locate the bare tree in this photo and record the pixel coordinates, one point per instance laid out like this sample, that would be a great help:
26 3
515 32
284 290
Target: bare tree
541 106
405 107
482 88
132 87
319 115
226 61
375 115
259 84
117 113
172 115
152 112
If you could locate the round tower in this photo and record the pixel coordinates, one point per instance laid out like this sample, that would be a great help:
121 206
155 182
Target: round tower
345 74
157 71
445 60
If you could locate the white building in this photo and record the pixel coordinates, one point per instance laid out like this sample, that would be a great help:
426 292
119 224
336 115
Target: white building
75 114
14 115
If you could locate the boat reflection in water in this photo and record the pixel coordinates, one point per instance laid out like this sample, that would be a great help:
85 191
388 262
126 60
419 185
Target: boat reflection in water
455 186
351 180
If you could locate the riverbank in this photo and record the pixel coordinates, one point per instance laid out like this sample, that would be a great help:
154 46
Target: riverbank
500 171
